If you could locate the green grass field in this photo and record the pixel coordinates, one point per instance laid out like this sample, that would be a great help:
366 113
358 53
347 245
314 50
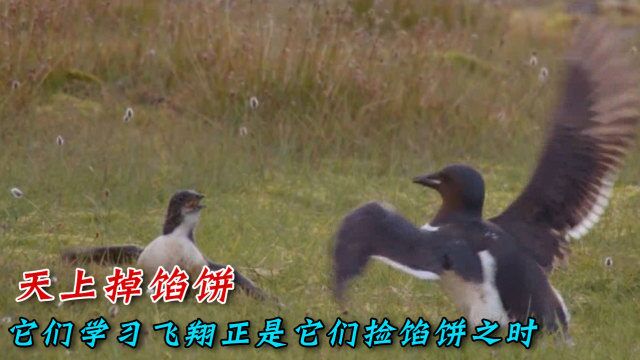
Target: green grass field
355 98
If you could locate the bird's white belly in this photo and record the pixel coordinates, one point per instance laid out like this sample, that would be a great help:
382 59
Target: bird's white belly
477 300
169 251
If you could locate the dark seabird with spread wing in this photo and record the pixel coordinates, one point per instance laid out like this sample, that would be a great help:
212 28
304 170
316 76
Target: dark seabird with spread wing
497 269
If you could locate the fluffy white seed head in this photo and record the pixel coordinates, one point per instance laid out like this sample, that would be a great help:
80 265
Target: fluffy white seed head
17 193
608 262
243 131
533 60
60 140
502 117
543 74
15 85
128 115
113 310
254 103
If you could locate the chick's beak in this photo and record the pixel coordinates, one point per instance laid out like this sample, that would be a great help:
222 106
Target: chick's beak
195 204
200 205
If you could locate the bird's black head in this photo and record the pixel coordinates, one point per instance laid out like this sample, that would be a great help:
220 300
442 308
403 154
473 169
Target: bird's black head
461 188
184 210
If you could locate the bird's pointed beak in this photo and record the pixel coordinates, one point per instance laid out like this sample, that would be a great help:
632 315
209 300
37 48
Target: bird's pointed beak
200 205
428 180
196 204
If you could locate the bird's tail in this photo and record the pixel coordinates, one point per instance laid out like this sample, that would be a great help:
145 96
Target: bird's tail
111 255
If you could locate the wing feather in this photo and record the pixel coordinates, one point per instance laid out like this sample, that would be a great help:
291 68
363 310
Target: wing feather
591 131
376 231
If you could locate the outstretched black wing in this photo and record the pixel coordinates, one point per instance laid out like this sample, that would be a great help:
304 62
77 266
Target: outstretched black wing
592 129
112 255
375 230
245 284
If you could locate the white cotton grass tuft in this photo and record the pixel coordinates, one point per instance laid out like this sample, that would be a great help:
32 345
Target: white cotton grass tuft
254 103
533 60
59 140
128 115
502 117
59 303
113 310
543 74
54 279
6 320
243 131
15 85
608 262
17 193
